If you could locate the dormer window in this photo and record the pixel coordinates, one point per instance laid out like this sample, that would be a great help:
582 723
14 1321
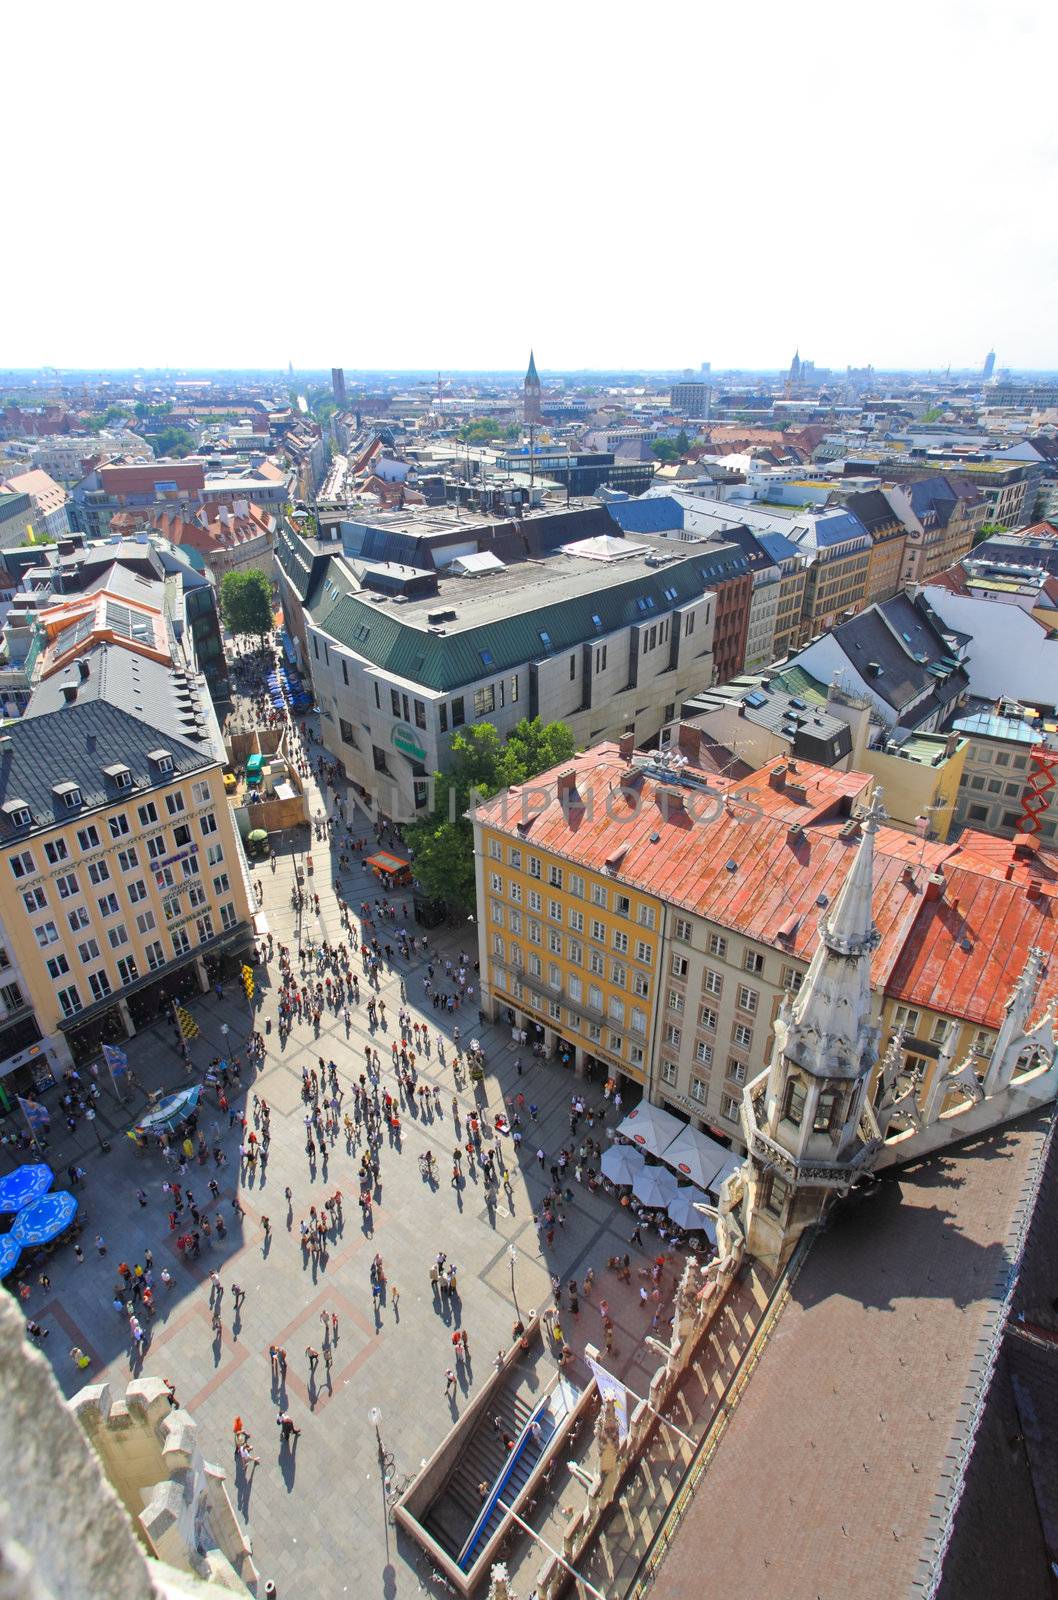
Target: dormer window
17 813
119 775
161 760
68 795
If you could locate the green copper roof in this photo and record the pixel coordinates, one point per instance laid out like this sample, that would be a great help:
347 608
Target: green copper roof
531 376
447 661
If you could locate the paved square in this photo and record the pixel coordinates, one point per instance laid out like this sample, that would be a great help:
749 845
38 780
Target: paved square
316 1515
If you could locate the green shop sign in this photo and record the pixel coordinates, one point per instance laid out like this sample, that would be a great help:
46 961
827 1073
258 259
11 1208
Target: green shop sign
403 739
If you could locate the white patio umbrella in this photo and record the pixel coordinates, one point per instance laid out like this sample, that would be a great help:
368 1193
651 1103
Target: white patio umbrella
655 1186
695 1156
650 1127
622 1162
683 1214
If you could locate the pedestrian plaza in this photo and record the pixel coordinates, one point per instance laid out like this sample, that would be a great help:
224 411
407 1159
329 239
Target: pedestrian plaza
316 1513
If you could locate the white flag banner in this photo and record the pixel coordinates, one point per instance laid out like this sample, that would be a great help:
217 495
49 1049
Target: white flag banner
611 1388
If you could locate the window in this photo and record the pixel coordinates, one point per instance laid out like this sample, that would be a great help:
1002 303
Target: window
137 891
620 941
729 1107
156 847
639 1020
622 905
703 1052
128 860
554 910
645 916
640 984
208 823
182 836
515 893
99 872
484 700
635 1055
905 1020
576 885
99 984
147 813
514 921
69 1001
575 952
200 792
644 952
495 850
228 917
88 838
572 668
181 942
46 933
420 714
672 1034
618 974
554 975
753 961
496 883
78 919
534 965
155 956
736 1070
576 920
595 997
675 1000
22 864
598 895
717 945
108 905
215 854
71 797
792 979
669 1072
514 689
221 884
535 932
773 1193
712 982
56 851
939 1031
535 902
458 714
793 1108
118 825
748 999
127 970
742 1036
614 1043
554 942
118 936
707 1018
514 858
977 813
699 1089
145 921
828 1111
534 867
596 964
600 657
497 912
34 900
679 966
58 966
682 930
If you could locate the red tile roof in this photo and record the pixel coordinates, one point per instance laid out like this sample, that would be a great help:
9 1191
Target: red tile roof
759 861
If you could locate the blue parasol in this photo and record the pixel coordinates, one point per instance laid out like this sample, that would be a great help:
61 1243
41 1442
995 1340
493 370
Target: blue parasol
170 1112
45 1219
10 1250
24 1185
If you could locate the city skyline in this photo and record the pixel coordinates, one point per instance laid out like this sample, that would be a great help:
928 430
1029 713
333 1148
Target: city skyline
638 210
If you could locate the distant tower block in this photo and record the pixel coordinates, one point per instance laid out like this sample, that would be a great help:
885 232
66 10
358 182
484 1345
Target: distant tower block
338 384
532 412
989 366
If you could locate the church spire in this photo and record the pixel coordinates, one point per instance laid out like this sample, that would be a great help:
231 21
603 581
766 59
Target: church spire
531 407
531 376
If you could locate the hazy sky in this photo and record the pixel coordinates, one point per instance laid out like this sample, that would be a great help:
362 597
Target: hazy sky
444 186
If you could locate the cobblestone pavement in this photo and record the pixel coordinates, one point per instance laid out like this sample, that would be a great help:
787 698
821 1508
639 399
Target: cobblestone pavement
317 1517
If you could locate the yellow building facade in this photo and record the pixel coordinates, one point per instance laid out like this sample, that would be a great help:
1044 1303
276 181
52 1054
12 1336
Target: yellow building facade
572 955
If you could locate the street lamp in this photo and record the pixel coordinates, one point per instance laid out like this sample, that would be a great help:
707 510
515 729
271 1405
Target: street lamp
512 1256
374 1416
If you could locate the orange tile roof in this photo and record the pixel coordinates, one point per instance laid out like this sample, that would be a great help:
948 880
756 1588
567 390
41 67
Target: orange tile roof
728 852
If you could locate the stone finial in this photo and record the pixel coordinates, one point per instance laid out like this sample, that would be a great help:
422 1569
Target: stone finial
499 1583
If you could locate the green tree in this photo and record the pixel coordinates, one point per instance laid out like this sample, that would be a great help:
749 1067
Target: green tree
482 764
246 602
479 430
666 449
173 442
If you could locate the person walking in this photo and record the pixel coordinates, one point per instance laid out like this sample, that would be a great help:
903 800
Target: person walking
450 1383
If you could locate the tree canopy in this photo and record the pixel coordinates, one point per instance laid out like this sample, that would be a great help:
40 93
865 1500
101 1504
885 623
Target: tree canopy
479 430
246 602
173 442
483 763
672 449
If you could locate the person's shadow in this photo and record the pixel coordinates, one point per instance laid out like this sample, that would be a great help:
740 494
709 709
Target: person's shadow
288 1462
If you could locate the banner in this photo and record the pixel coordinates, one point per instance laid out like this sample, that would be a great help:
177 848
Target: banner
36 1115
611 1388
116 1059
189 1028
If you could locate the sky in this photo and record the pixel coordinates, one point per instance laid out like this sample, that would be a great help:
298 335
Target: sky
629 187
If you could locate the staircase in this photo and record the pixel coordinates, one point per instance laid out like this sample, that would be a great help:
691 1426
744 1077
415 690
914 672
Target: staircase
456 1517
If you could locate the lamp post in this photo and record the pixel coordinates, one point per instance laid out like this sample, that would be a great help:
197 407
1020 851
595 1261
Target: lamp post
374 1416
224 1031
512 1256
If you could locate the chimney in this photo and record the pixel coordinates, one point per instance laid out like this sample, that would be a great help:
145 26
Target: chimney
567 782
69 690
934 889
626 746
84 670
777 778
1035 889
